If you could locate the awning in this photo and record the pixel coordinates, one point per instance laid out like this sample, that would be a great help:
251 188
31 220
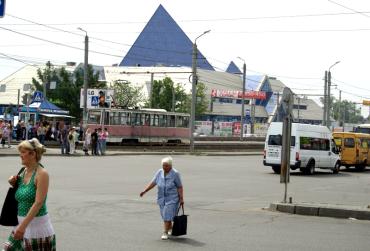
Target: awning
56 115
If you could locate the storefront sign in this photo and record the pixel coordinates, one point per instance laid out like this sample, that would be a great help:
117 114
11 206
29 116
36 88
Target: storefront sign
238 94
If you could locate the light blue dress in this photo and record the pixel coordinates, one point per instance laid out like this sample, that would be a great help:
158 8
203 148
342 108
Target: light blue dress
168 196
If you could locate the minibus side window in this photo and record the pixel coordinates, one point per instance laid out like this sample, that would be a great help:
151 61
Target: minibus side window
349 142
276 140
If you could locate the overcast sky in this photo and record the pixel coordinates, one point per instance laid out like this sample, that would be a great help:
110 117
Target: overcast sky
296 41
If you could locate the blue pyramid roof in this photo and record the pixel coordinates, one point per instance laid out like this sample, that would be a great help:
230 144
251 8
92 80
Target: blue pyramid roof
232 68
163 43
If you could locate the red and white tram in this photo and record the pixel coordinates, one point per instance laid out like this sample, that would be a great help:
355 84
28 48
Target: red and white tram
141 126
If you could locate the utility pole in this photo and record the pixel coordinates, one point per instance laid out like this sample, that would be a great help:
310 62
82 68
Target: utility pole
299 104
151 89
173 97
253 112
18 99
340 111
86 62
328 124
194 90
242 117
325 94
47 78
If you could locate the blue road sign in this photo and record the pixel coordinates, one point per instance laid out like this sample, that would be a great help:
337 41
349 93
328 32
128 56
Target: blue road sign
94 100
2 8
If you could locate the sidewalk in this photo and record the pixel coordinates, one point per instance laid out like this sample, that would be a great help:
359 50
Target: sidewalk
323 210
51 151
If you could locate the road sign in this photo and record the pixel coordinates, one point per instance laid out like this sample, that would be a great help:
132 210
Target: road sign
2 8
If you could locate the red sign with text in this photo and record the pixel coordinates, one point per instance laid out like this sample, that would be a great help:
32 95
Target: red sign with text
238 94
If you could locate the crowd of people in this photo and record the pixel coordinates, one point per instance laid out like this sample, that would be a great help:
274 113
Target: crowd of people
68 136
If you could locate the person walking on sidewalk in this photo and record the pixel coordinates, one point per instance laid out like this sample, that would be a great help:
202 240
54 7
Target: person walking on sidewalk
94 142
87 141
170 193
34 231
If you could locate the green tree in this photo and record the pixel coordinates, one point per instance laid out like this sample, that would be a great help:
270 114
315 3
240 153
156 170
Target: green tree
66 95
126 95
165 93
348 111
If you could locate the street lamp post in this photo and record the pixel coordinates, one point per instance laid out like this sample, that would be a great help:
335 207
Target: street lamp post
243 100
193 90
86 62
328 123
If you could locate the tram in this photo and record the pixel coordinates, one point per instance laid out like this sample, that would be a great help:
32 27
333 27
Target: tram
133 126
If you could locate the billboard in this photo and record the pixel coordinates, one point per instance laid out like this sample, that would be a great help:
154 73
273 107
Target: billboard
97 98
366 102
238 94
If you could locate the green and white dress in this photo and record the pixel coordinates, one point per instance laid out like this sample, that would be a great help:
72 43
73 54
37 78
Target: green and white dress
39 234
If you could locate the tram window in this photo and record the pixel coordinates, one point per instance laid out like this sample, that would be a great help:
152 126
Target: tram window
162 120
115 118
155 120
182 121
125 118
146 118
171 121
94 117
106 118
136 119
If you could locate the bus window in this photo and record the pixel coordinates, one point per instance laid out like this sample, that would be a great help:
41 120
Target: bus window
94 117
338 141
349 142
364 143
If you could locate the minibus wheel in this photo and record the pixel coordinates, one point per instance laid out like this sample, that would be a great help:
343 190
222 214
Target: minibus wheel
336 168
310 168
276 169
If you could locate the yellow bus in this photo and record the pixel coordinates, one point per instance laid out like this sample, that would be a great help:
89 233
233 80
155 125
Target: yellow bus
354 149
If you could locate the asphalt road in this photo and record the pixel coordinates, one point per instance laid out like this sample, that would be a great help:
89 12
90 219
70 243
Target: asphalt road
94 205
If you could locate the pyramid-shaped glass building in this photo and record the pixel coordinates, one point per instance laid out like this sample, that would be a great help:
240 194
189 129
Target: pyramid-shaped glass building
163 43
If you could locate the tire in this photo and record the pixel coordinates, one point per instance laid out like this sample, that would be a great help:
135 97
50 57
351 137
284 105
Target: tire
360 168
276 169
310 168
336 168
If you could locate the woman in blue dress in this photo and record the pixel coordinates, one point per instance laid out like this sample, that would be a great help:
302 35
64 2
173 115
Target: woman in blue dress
170 193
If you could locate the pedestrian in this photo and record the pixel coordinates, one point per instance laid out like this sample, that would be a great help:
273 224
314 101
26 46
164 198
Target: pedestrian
100 141
6 136
104 138
170 193
72 140
87 141
94 142
19 130
63 139
34 231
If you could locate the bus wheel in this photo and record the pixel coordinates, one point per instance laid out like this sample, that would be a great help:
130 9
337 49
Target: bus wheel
360 167
310 168
276 169
336 168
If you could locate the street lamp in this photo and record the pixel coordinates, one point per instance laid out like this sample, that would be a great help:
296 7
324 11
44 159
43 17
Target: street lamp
328 123
243 100
86 62
193 90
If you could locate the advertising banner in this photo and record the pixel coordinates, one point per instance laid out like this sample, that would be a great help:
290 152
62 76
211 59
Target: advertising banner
238 94
97 98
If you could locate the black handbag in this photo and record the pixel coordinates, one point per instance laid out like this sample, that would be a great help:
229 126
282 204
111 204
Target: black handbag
180 223
9 211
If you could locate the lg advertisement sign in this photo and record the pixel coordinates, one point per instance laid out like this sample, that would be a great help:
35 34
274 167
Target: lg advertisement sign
97 98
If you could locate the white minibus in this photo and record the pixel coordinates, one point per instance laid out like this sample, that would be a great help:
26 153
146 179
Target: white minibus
311 147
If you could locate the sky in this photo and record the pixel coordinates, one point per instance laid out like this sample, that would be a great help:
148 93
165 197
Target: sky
295 41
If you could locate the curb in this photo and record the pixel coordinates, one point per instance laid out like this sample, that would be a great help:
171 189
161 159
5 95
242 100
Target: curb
323 210
226 154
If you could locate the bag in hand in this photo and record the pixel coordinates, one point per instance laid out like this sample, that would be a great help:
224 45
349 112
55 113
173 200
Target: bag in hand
9 212
180 223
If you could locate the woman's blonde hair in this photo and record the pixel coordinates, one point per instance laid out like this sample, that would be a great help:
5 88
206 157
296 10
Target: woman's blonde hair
33 145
